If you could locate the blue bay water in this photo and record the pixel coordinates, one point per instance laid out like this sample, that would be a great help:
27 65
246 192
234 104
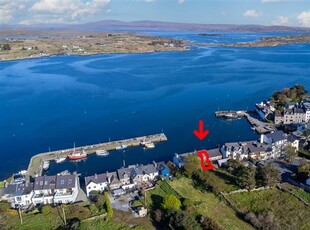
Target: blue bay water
56 101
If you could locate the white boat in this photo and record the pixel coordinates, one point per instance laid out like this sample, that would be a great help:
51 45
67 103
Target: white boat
60 159
149 145
66 172
122 147
46 165
102 152
22 172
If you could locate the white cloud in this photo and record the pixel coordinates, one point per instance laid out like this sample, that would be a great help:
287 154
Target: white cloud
9 8
282 21
251 13
59 11
180 2
304 18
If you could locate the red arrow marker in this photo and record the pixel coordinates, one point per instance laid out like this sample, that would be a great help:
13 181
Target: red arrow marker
201 134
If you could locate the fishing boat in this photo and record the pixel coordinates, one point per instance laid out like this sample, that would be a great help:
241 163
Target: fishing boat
122 147
46 165
102 152
60 159
77 155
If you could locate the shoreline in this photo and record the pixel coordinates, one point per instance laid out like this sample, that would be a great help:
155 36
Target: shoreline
92 54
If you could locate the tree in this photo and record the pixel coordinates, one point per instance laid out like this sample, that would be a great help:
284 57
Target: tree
171 202
108 204
182 221
290 152
246 178
234 166
6 47
303 170
209 224
191 165
268 175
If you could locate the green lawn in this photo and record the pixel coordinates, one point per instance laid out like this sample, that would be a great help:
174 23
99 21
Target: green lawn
106 225
289 212
155 196
1 184
301 193
209 204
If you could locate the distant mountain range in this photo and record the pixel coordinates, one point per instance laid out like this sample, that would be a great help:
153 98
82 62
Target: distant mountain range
114 25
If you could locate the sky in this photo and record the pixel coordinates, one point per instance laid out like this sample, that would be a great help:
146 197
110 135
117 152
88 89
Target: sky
262 12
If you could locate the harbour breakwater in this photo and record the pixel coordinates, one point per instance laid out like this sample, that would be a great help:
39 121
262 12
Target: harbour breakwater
35 167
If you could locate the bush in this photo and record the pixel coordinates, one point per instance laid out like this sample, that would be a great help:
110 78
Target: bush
46 209
171 202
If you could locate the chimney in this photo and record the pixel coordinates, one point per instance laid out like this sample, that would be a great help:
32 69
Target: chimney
155 164
108 178
95 175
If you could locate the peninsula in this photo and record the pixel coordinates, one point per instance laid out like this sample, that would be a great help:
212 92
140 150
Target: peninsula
270 41
21 45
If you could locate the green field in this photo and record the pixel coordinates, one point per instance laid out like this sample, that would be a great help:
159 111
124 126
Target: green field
155 196
209 204
301 193
289 212
1 184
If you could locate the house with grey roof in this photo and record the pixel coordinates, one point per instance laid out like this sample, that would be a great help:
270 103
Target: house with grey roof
55 189
97 182
144 173
245 150
124 175
276 142
22 196
114 182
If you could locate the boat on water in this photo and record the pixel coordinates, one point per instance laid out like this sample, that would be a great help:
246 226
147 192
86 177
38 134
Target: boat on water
66 172
231 116
149 145
122 147
46 165
77 155
60 159
102 152
22 172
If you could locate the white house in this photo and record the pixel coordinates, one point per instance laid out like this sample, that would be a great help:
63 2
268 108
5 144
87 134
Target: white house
55 189
276 141
23 196
97 182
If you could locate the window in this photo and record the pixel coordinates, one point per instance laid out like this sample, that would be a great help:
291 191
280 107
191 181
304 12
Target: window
62 182
69 181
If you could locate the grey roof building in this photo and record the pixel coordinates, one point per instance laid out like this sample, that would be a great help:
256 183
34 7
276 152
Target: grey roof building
97 178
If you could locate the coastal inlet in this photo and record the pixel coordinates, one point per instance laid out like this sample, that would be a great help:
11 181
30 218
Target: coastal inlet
36 164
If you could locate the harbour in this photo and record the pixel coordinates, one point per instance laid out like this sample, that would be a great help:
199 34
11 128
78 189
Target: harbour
259 126
35 167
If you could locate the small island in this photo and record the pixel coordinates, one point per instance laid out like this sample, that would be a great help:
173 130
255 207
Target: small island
22 45
270 41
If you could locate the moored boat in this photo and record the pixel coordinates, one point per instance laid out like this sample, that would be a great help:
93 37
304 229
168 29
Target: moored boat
149 145
60 159
122 147
46 165
77 155
102 152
